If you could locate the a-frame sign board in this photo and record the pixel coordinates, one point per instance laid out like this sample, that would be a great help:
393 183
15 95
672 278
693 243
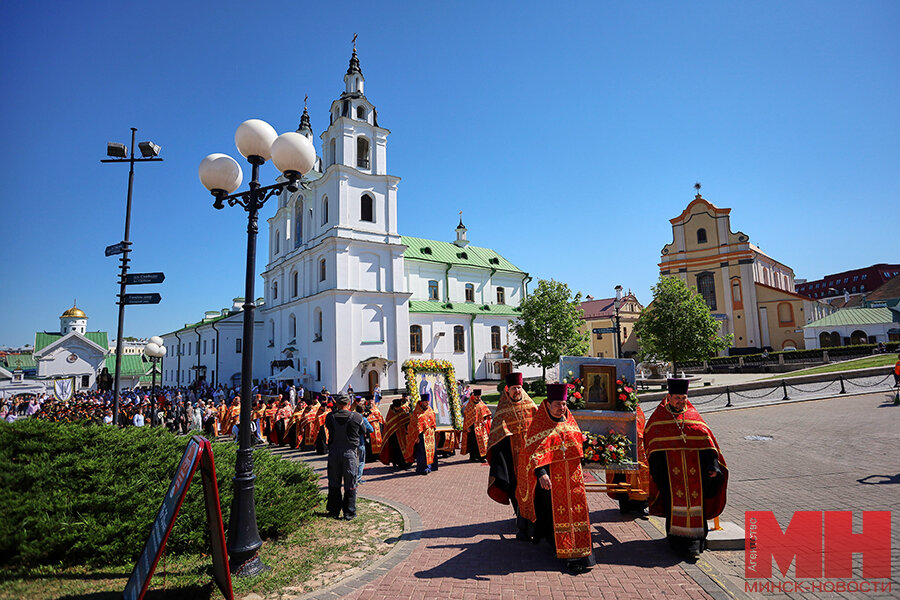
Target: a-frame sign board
198 454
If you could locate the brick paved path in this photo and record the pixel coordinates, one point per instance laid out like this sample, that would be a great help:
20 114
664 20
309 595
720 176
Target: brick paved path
466 548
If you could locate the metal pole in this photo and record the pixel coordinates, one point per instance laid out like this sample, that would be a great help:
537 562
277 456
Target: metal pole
124 261
728 396
243 533
784 387
843 391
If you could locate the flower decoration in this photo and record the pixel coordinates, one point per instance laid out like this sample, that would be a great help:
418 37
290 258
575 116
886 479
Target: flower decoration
413 366
610 449
576 400
626 397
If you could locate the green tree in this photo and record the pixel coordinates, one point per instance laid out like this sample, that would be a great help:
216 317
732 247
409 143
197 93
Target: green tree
548 326
678 326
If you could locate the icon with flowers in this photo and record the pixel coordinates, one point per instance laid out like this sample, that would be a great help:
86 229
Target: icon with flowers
610 449
575 394
626 397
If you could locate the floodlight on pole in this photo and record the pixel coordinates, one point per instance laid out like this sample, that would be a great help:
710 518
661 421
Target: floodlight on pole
149 149
116 150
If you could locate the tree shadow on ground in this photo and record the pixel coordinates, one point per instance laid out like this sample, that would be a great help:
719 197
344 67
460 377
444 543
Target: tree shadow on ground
192 592
882 479
505 555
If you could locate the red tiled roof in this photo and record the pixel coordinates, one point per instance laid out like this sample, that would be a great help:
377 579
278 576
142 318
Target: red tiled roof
889 290
598 309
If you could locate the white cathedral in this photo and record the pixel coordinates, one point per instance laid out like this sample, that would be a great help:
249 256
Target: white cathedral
348 299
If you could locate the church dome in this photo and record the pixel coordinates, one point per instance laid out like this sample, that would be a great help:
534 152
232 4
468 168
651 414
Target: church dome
74 313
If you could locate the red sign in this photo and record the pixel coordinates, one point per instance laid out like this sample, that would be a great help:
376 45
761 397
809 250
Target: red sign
197 454
823 544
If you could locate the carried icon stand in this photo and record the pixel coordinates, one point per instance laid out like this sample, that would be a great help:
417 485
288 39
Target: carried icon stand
198 454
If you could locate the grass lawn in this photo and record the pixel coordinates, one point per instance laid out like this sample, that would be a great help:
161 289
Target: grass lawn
880 360
317 554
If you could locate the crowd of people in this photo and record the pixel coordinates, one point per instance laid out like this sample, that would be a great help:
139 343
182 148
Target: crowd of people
534 453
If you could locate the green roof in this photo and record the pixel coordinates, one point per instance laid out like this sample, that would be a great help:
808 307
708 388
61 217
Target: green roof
463 308
42 339
132 364
20 361
855 316
447 253
204 322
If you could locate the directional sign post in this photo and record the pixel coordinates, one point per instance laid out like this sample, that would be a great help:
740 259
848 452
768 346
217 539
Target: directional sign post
604 330
141 298
117 248
140 278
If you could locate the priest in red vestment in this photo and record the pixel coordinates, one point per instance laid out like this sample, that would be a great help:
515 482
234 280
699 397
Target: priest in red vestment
510 423
420 436
393 440
688 474
550 487
476 428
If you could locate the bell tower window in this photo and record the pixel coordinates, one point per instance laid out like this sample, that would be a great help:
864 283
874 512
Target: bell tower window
701 236
361 113
362 153
366 208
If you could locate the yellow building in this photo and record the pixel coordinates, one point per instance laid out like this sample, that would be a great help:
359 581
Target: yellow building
601 314
749 293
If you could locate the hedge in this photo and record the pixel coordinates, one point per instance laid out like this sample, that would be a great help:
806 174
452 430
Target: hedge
833 352
76 494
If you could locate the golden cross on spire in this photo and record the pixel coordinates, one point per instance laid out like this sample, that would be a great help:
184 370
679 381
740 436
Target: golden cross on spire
354 42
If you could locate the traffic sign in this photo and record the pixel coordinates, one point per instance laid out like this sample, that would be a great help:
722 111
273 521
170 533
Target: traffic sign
141 298
117 248
139 278
604 330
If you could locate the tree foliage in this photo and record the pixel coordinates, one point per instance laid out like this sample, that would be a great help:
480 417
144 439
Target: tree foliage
548 326
678 326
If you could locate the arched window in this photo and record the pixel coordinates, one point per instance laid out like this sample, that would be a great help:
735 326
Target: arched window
318 370
361 113
736 291
367 208
362 152
470 292
706 285
325 210
271 332
322 272
501 296
317 319
824 339
859 337
298 223
292 326
459 338
294 284
274 290
433 290
277 242
495 337
701 236
332 151
785 314
415 338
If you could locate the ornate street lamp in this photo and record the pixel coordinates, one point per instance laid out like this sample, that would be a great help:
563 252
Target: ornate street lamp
293 154
154 350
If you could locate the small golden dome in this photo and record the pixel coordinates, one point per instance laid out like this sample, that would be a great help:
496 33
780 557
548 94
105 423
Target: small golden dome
75 313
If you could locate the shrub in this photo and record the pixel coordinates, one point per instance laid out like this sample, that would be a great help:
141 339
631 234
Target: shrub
501 386
87 494
538 387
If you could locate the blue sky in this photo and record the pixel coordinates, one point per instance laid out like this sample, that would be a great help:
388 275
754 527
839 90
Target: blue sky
567 138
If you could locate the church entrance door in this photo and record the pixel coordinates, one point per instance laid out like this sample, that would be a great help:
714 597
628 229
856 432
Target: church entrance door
373 381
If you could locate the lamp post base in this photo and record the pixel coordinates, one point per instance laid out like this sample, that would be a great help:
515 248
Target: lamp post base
250 568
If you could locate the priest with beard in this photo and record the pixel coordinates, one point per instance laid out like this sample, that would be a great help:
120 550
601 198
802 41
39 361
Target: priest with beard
687 470
550 489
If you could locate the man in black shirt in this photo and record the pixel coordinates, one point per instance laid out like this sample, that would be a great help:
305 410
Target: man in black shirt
345 429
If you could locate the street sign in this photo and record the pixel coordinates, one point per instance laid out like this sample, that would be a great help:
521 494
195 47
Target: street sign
139 278
604 330
141 298
117 248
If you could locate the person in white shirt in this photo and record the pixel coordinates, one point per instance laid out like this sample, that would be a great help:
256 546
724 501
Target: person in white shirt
139 418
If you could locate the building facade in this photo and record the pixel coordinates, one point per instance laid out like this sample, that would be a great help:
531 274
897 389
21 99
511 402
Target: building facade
851 326
854 281
750 293
348 299
601 314
210 351
73 352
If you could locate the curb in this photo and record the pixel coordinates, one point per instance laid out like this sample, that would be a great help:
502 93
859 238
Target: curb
409 539
707 572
